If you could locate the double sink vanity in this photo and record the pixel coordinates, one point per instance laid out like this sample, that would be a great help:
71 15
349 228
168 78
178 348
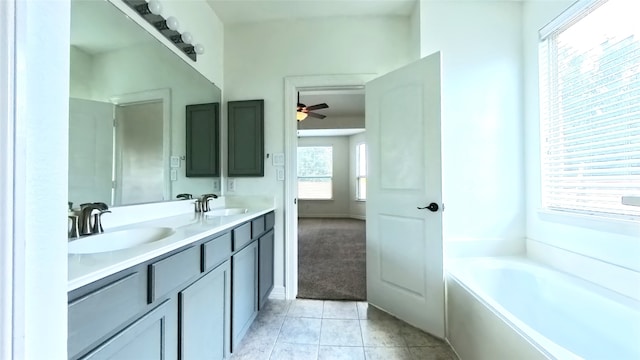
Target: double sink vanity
186 286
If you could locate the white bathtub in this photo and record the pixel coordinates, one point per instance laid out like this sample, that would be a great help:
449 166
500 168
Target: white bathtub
513 308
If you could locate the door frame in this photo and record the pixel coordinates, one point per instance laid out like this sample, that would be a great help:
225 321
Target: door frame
163 95
7 196
293 84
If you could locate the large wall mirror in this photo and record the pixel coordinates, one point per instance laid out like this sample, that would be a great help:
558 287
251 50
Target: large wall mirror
128 94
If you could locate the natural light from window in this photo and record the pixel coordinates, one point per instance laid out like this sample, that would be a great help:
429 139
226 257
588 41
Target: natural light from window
315 171
590 109
361 172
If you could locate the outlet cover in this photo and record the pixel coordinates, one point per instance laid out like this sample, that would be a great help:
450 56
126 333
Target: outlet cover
175 161
278 159
231 185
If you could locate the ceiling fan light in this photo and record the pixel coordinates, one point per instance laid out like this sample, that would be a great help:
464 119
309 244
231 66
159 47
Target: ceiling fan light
300 116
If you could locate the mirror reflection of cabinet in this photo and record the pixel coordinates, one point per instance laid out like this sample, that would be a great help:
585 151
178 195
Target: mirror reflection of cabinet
112 58
203 140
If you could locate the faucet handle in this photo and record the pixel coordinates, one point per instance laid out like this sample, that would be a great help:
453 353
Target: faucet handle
184 196
97 223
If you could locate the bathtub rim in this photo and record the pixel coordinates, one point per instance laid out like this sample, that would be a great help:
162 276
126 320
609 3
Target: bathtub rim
540 342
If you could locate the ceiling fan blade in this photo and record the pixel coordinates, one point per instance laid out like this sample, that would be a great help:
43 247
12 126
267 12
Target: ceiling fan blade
317 107
316 115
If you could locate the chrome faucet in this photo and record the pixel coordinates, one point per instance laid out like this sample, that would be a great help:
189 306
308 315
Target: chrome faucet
204 202
91 218
184 196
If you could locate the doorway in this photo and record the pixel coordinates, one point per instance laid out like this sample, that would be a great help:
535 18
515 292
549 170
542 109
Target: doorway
331 215
293 85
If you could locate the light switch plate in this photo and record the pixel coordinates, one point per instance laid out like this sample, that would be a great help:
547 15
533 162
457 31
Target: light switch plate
278 159
280 174
175 162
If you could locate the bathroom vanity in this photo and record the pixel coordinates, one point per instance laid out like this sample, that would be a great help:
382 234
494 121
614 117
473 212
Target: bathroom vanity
191 295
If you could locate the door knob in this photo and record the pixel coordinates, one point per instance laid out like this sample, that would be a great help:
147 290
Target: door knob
432 207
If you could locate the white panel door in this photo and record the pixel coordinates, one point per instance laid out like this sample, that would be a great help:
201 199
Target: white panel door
404 243
90 151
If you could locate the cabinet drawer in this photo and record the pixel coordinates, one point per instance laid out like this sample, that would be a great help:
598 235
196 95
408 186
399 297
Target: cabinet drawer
94 315
269 220
241 236
216 251
257 227
165 275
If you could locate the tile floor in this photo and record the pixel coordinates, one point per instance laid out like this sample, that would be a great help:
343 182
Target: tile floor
335 330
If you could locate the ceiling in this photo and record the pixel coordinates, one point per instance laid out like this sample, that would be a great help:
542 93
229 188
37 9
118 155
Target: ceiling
246 11
97 26
342 103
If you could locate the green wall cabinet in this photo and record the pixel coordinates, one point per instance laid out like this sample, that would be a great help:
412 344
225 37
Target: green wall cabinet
203 140
246 138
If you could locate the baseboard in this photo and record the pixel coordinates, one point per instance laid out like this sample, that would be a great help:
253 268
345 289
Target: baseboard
278 293
332 216
337 216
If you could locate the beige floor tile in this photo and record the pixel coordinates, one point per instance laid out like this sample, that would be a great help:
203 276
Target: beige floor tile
340 310
286 351
432 353
416 337
340 332
387 353
381 333
300 331
306 308
340 353
276 307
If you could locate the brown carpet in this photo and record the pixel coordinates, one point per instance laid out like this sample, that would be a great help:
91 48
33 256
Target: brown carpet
331 259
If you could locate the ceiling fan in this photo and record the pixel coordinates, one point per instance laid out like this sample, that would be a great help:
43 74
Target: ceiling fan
303 110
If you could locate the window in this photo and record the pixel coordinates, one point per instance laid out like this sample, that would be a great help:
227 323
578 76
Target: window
590 108
315 170
361 172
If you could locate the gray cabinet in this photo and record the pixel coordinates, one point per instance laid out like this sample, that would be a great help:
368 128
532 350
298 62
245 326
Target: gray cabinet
245 138
203 140
151 337
194 303
265 267
122 297
204 313
244 294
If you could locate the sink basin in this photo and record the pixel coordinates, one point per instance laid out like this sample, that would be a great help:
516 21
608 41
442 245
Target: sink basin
118 240
226 211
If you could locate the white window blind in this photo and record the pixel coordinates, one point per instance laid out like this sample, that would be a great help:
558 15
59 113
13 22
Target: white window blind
590 109
315 172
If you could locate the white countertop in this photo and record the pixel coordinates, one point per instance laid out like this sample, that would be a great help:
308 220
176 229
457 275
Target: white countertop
189 228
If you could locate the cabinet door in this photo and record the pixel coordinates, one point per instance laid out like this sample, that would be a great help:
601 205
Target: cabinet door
246 138
152 337
203 140
265 273
204 313
244 294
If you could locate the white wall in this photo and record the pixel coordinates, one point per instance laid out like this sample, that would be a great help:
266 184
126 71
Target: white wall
259 56
40 255
196 17
357 208
601 251
333 122
482 137
339 205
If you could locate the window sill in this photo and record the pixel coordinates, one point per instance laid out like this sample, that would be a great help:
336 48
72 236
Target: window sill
595 222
